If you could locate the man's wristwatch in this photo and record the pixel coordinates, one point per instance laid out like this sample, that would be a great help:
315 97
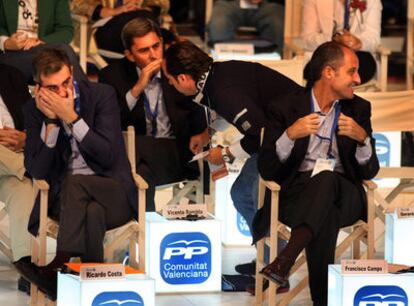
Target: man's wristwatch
365 142
70 125
51 120
226 157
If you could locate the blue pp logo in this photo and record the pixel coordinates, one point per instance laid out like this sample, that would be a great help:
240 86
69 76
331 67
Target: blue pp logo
382 148
242 225
381 296
185 258
127 298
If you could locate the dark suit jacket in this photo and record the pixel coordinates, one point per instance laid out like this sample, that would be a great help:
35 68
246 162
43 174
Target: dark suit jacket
186 117
14 92
102 148
240 93
55 23
282 115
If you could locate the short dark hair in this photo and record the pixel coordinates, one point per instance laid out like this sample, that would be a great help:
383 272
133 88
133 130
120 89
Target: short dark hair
138 27
49 61
327 54
186 58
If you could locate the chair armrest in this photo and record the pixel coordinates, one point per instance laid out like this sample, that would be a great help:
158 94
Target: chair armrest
291 46
383 51
271 185
370 185
139 181
79 18
41 184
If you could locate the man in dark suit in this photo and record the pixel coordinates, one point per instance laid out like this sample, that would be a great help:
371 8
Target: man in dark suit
74 142
16 190
319 148
239 92
164 119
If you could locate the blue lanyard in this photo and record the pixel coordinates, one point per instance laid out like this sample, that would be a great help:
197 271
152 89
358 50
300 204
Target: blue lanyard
152 115
338 108
77 99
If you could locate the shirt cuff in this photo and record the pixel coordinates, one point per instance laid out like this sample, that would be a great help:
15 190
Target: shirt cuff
237 151
131 100
2 41
363 153
79 130
51 137
284 146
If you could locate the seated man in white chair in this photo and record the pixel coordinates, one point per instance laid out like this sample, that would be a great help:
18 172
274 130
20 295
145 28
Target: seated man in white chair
75 143
319 148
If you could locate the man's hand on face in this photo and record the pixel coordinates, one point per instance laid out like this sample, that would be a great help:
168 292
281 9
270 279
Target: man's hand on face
348 127
146 74
304 127
42 105
199 141
215 156
149 71
12 139
63 107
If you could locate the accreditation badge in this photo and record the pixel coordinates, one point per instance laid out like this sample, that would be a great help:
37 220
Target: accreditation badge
323 164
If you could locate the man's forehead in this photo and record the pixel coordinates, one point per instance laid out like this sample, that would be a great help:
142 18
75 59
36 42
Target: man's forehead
59 76
146 41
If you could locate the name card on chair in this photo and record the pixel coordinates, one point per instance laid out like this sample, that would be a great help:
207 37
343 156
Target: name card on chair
364 266
405 212
234 48
101 272
185 211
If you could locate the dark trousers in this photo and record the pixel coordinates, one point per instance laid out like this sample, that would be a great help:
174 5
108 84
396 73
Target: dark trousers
89 206
325 203
22 60
159 163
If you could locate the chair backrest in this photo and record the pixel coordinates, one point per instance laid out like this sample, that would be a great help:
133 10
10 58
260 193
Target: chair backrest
292 68
391 111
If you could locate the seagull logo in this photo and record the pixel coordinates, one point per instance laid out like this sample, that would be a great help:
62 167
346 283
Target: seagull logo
118 298
188 242
118 302
381 296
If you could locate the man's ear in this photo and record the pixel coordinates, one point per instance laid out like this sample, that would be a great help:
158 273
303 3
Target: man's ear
328 72
128 55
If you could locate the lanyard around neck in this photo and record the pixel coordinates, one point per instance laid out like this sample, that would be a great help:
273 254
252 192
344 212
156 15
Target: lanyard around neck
337 108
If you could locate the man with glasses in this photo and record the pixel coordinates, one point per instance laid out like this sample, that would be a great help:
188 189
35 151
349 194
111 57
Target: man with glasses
75 143
319 148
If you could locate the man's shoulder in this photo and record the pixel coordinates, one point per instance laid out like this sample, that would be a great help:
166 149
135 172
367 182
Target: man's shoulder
95 90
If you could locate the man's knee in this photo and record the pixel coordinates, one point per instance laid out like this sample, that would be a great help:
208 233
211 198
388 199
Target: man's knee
95 212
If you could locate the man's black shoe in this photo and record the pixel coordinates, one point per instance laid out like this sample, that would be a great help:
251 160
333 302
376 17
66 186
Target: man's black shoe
23 285
278 270
247 268
251 288
46 282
